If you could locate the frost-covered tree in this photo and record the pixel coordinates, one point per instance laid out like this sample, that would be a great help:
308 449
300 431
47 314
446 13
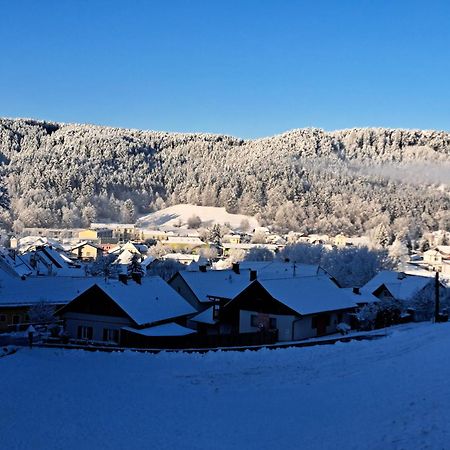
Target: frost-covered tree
166 269
194 222
41 312
306 180
259 254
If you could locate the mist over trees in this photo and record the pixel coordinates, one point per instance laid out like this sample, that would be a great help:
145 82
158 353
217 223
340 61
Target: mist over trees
308 180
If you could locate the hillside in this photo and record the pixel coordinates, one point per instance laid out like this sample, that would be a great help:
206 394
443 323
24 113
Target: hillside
177 216
308 180
392 393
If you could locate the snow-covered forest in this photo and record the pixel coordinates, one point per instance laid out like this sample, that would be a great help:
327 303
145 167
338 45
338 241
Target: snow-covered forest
309 180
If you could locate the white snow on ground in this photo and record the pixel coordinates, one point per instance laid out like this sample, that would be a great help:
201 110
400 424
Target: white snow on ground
392 393
169 218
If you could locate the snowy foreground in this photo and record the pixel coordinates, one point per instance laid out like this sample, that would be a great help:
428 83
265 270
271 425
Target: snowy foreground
392 393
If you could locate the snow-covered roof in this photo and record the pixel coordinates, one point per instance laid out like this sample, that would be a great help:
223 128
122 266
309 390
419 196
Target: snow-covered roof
32 290
182 257
444 250
205 316
28 242
167 329
362 297
309 295
279 269
147 261
216 283
125 257
402 286
230 246
86 244
151 301
14 264
184 240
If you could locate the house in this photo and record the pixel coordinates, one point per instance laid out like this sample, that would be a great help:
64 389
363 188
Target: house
227 247
187 243
126 312
185 258
98 235
414 293
340 240
86 251
47 261
437 258
390 285
155 235
297 307
18 295
121 232
203 288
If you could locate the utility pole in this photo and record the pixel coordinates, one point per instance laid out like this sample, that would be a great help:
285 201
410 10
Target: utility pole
436 297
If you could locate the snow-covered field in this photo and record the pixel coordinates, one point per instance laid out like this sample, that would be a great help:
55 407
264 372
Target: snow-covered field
392 393
170 218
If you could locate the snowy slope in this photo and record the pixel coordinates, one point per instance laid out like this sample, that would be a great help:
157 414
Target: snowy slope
392 393
169 218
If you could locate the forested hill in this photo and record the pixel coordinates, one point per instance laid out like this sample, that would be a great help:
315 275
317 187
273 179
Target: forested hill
309 180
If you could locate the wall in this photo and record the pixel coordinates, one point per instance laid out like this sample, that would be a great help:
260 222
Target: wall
284 324
302 328
73 320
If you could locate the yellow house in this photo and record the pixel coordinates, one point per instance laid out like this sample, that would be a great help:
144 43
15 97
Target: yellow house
340 240
85 250
102 235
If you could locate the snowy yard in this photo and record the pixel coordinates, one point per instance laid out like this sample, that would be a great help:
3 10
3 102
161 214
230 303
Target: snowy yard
392 393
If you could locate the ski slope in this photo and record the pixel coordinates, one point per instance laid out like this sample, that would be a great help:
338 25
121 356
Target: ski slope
392 393
177 216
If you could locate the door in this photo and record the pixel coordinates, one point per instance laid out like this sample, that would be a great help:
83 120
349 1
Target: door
322 322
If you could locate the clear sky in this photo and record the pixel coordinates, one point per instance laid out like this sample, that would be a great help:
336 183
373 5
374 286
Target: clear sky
250 68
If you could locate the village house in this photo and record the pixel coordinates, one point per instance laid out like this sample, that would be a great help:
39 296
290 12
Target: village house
18 295
301 300
126 312
397 285
155 235
121 232
184 243
86 251
227 247
203 288
298 308
97 235
411 291
438 259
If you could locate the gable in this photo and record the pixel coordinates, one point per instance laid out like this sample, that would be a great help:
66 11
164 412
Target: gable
382 292
94 301
256 298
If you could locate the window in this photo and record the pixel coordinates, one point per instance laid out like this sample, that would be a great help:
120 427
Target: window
2 318
85 332
16 319
273 323
216 312
254 320
110 335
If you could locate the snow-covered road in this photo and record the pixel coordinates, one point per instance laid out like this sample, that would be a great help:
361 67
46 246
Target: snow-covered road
392 393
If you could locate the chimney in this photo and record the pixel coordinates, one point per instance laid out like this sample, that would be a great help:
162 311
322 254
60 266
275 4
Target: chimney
253 275
137 277
235 268
356 291
123 278
202 268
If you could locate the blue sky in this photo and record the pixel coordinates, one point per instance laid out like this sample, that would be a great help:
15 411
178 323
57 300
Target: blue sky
247 68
